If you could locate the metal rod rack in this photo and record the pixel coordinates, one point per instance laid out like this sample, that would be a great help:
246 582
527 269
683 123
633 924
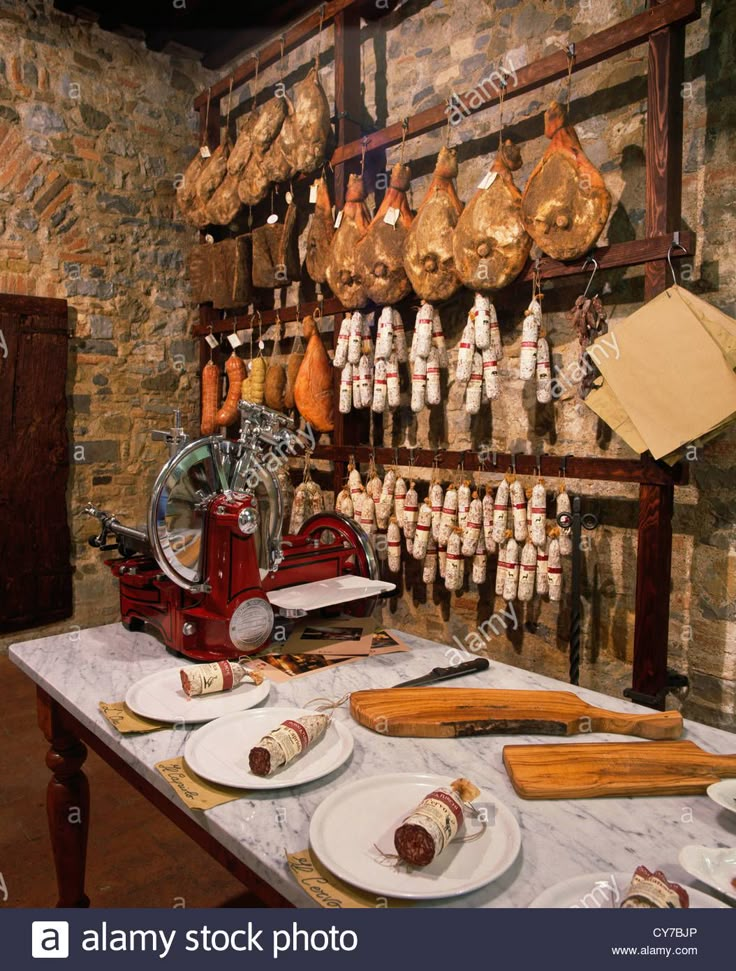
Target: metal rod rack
661 27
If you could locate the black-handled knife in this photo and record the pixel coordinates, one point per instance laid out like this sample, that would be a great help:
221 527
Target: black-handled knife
444 674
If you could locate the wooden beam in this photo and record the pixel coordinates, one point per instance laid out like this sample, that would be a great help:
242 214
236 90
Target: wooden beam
271 52
632 253
348 99
643 469
656 501
613 40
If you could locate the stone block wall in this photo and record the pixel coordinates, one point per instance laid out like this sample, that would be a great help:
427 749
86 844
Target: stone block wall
94 128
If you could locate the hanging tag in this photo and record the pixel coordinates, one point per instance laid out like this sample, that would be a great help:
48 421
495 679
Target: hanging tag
205 152
487 181
338 220
212 341
289 198
273 218
209 239
313 189
261 345
392 216
234 341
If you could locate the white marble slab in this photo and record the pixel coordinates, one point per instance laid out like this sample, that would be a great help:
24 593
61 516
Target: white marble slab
560 839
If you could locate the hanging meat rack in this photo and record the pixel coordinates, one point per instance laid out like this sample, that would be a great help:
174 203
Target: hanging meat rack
662 27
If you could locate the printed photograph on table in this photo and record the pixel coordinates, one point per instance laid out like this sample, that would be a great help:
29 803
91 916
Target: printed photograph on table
367 506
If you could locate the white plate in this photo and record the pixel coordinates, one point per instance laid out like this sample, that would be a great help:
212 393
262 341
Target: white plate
603 891
161 697
724 793
716 867
358 817
327 593
219 751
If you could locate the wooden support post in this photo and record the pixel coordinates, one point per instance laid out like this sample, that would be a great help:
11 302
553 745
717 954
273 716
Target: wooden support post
348 107
656 502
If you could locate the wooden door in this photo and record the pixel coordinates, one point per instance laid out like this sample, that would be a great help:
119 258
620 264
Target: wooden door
35 544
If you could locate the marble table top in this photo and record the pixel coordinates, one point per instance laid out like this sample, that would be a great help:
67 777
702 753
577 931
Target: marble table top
560 839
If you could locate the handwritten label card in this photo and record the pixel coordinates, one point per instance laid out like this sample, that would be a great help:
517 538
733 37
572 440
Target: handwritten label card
192 789
126 721
328 890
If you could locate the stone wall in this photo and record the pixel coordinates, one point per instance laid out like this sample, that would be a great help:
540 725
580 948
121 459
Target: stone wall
93 130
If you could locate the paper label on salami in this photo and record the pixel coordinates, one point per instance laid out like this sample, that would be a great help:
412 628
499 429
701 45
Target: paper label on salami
442 809
487 181
212 341
289 740
392 216
338 220
313 189
234 341
205 152
217 676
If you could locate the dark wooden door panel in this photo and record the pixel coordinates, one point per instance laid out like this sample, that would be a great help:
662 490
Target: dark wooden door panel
35 545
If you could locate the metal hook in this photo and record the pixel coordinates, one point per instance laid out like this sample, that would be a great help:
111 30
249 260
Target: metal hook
396 455
513 463
495 458
411 449
675 244
538 465
594 261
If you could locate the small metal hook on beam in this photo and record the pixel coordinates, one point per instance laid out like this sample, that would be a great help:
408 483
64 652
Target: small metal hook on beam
674 245
594 261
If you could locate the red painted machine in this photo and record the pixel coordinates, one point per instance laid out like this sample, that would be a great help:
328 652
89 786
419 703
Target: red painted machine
211 571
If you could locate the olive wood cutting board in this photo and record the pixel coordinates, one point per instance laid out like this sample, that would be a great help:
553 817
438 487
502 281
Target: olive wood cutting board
461 712
585 771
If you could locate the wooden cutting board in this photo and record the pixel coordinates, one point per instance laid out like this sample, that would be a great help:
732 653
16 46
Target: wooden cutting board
585 771
461 712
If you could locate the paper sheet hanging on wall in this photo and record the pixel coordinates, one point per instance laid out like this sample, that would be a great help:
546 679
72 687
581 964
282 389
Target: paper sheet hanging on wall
677 348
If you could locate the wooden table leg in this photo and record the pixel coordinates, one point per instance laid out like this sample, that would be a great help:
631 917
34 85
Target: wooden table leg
67 802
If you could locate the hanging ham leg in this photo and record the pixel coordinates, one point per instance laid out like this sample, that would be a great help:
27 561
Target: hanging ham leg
319 237
491 244
313 391
428 253
342 271
380 256
565 203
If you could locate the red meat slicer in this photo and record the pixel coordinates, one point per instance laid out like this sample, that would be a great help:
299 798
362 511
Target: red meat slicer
211 564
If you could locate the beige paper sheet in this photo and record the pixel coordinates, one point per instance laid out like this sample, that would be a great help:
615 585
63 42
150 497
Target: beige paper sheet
192 789
671 377
126 721
329 891
606 405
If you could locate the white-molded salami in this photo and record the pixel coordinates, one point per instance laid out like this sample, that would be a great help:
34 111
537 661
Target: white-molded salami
423 530
511 580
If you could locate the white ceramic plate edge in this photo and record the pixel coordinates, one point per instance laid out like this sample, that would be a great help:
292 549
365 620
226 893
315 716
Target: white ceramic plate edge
432 781
690 859
345 739
587 881
717 791
255 693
